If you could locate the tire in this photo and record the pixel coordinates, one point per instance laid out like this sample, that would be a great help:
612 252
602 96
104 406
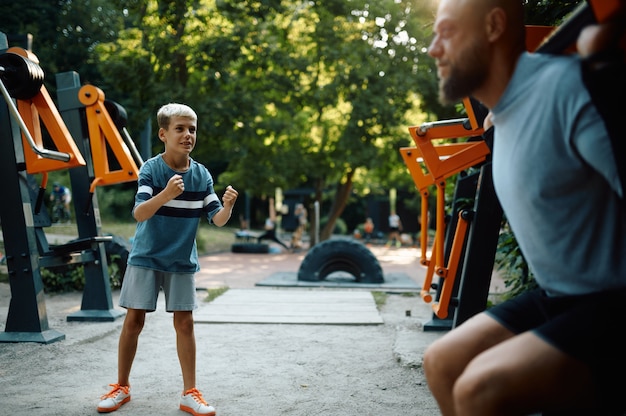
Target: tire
343 255
250 248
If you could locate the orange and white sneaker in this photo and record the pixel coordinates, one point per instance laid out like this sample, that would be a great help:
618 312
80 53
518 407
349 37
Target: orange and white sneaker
192 402
114 399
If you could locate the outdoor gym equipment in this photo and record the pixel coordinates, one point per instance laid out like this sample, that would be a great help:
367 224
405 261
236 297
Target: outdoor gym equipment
431 165
22 154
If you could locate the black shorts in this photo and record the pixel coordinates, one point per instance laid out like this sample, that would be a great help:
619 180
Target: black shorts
588 327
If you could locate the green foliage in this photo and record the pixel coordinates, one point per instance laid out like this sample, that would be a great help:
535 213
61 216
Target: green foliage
65 279
116 201
340 227
72 277
116 273
551 12
511 263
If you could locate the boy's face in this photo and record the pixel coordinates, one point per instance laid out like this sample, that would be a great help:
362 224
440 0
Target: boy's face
180 136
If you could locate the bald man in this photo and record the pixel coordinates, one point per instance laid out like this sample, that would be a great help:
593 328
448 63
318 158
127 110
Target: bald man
558 348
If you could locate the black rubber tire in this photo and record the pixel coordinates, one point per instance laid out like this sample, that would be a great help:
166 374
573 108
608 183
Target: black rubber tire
343 255
250 248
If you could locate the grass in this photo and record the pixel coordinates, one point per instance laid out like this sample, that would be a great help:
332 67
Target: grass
380 298
210 239
215 292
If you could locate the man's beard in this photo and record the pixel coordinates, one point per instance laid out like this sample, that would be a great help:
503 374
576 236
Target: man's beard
464 78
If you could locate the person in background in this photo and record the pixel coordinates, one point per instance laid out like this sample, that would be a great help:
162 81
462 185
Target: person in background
61 196
174 192
557 348
270 227
302 218
395 227
368 229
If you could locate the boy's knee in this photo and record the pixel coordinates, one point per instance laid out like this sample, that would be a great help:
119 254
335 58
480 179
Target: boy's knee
133 323
183 323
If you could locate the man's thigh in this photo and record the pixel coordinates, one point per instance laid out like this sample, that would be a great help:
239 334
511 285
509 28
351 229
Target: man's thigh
459 346
529 373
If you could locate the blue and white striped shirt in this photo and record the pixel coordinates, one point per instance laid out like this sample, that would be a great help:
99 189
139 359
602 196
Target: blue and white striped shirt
167 241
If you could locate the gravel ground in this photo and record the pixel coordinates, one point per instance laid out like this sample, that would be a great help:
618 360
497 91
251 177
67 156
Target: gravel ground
243 369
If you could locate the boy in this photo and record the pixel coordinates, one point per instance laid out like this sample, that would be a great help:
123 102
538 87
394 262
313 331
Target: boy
174 191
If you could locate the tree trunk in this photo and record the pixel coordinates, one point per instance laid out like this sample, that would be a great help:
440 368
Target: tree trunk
339 204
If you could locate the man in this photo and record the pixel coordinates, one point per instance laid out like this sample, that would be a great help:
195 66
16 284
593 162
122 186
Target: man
61 196
557 348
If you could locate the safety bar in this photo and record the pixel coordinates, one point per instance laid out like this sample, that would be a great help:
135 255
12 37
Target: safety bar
423 128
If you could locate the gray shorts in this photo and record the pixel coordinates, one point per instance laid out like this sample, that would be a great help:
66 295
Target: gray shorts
140 290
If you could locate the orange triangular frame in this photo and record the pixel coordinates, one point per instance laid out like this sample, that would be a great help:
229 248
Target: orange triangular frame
102 131
41 109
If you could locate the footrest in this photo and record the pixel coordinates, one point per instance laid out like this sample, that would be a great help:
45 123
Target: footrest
78 245
77 251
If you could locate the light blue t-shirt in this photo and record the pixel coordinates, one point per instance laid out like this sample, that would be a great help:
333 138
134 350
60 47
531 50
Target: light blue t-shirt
167 241
556 178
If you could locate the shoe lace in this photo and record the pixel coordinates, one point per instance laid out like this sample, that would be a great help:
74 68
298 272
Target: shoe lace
116 389
197 396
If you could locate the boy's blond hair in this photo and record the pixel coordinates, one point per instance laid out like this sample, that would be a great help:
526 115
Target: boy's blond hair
170 110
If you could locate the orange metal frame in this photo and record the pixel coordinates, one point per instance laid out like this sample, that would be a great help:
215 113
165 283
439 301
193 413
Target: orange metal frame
40 109
607 9
430 165
102 132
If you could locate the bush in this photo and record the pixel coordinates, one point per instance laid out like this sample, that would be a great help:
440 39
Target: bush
511 263
71 278
63 279
116 202
340 226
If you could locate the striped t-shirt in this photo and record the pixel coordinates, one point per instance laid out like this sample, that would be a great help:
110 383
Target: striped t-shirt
167 241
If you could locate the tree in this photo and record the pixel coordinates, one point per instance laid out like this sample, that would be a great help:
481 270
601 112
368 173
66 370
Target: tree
64 33
289 93
350 83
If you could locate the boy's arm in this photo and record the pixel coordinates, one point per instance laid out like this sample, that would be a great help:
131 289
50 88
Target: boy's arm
145 210
228 200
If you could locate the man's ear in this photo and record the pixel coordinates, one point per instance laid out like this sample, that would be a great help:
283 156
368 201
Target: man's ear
495 23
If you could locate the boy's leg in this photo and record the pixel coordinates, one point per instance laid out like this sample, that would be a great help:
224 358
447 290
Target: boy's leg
127 347
191 401
133 324
186 347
